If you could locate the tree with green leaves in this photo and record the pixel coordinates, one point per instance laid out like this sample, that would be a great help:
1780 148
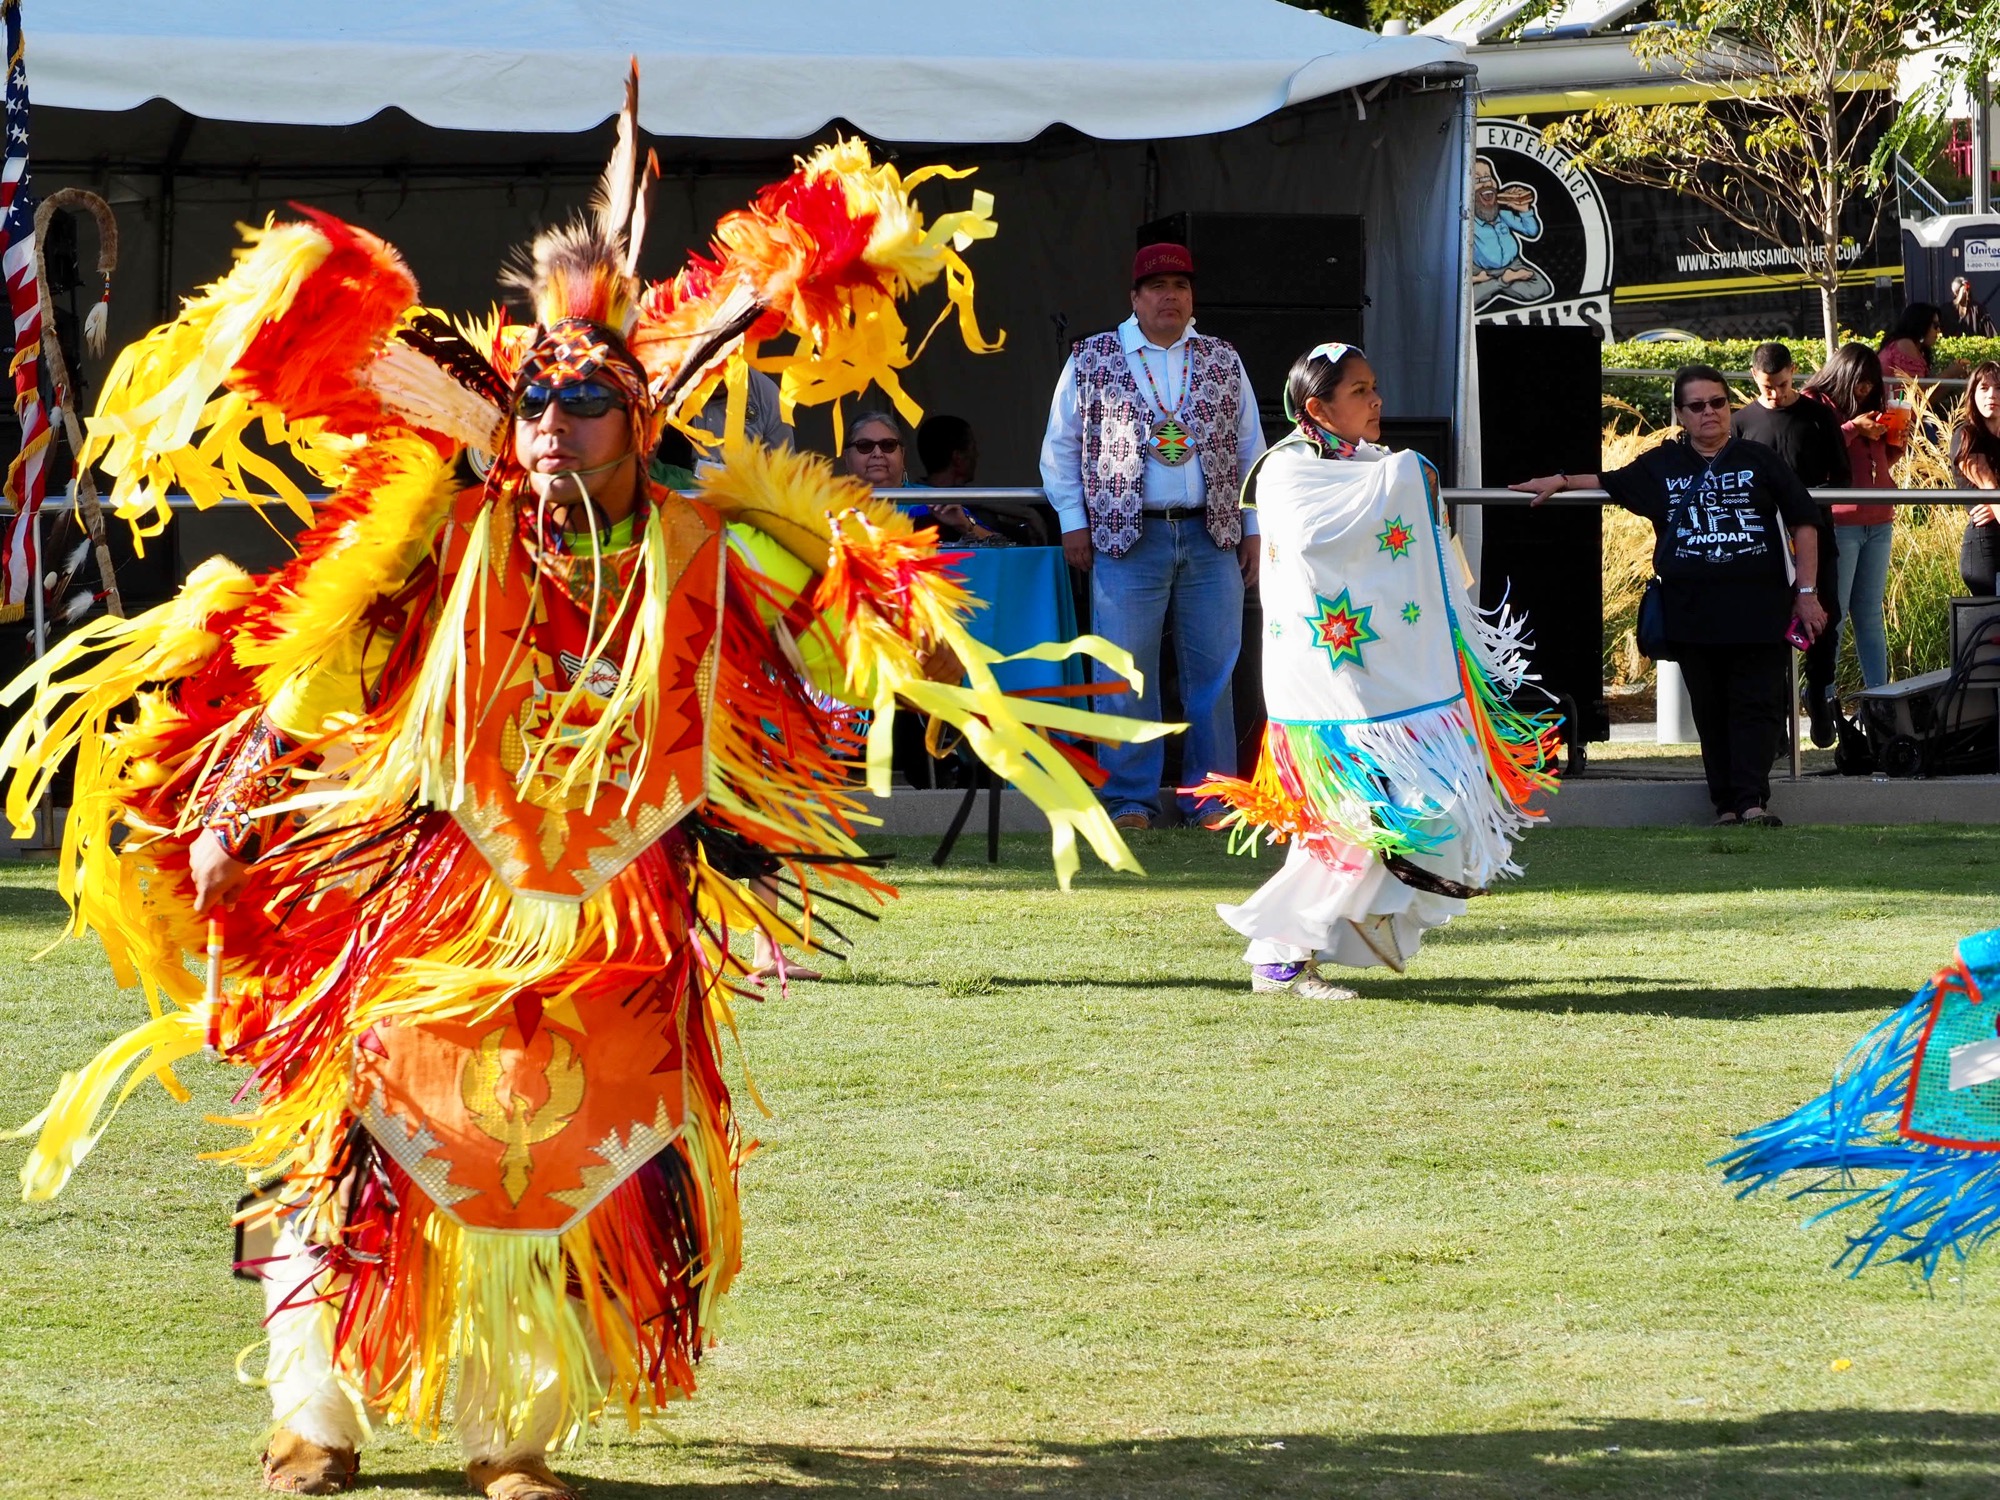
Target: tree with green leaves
1804 90
1370 14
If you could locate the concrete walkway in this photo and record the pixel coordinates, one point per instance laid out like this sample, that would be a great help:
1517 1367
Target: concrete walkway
1594 801
1603 797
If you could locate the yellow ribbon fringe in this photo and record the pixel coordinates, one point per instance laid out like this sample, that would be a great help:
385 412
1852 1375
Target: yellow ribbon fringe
167 387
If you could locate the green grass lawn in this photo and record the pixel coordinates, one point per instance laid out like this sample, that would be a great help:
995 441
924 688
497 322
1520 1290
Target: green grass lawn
1053 1205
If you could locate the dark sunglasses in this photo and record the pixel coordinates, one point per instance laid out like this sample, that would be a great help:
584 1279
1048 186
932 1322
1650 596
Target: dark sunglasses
869 445
1713 403
587 399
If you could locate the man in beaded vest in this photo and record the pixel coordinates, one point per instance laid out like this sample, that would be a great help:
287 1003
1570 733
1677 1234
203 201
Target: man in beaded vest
1151 431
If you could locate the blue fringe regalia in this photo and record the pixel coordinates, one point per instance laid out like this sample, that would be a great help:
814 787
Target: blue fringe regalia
1917 1100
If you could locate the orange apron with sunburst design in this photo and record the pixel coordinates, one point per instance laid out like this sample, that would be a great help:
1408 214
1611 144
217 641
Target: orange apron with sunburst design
525 1120
525 1130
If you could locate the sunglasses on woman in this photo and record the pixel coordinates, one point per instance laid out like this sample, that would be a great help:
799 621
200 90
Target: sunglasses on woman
1713 403
870 445
585 399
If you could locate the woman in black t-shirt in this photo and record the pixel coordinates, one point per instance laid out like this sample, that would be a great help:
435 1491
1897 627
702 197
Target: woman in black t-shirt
1721 509
1975 465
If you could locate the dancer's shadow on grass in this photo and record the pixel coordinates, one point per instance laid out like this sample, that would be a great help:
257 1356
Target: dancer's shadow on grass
1816 1453
1636 995
1601 994
32 903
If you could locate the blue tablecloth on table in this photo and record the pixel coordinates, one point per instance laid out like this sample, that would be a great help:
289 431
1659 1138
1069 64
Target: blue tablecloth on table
1026 590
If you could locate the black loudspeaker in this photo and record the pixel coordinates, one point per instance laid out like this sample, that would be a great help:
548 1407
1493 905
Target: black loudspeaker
1539 410
254 543
1269 260
1430 436
1273 285
1270 338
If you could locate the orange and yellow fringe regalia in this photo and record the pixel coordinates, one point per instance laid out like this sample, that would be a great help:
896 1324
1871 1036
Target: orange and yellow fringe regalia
502 803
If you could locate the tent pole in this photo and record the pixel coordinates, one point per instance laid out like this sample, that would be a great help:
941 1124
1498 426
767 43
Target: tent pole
169 165
1982 144
35 589
1469 522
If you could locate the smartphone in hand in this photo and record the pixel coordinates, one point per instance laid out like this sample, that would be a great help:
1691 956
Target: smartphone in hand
1797 635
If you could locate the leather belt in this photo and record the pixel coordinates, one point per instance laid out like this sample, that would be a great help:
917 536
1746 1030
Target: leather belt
1420 879
1177 512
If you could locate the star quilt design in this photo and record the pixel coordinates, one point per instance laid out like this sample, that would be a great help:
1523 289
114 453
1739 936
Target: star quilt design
1396 537
1341 628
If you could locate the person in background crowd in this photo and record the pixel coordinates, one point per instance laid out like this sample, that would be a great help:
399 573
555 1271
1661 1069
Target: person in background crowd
1973 318
1717 503
950 456
1151 430
676 459
1906 348
949 450
1975 465
874 451
876 454
763 421
1850 386
1806 435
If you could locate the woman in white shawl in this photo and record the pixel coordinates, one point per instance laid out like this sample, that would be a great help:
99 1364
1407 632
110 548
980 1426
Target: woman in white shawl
1394 763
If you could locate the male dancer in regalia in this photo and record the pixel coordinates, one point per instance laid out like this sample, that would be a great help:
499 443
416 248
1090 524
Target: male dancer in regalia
463 804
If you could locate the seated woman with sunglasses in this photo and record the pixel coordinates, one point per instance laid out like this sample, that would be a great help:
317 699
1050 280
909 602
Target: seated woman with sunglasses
1733 597
875 451
1393 763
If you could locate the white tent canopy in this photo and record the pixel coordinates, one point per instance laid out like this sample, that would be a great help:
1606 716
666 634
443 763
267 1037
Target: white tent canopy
446 128
903 70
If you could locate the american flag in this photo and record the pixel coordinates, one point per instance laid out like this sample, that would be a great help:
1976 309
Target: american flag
27 475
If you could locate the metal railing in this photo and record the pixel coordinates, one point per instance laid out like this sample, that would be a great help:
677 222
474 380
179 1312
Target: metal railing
1028 500
1032 495
1914 190
1637 373
1029 497
1826 496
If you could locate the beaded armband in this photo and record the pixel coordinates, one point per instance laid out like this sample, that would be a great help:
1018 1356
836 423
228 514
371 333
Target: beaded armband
251 782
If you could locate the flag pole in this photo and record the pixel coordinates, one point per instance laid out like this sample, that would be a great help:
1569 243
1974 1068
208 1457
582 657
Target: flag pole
35 590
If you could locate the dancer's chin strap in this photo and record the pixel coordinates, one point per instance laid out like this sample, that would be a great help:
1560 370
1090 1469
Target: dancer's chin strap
590 507
594 468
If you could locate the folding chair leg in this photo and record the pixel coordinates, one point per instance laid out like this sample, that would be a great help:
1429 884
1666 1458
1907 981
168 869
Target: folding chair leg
957 825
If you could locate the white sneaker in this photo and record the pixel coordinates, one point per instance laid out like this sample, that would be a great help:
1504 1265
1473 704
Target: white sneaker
1307 984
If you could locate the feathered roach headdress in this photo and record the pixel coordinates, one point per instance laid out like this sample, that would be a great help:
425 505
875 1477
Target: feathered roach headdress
581 280
316 333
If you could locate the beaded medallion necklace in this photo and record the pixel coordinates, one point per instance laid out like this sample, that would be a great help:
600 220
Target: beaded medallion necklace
1168 440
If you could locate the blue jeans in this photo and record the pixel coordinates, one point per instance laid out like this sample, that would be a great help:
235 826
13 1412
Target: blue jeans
1863 579
1173 560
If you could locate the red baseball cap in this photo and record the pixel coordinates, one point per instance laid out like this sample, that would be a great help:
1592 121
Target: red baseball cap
1161 260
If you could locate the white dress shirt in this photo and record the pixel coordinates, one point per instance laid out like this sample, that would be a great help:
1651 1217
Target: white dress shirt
1165 485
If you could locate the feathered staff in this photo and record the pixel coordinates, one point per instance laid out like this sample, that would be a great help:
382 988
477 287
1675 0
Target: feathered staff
94 326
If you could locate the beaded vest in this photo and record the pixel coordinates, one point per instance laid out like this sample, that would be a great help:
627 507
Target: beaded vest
1116 419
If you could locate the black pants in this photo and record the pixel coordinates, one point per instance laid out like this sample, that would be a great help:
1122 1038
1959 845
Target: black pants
1979 558
1738 697
1824 655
